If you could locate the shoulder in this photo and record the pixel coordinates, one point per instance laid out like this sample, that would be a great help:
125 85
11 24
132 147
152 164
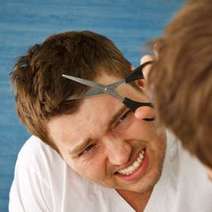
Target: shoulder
41 162
192 170
34 147
184 181
35 153
41 178
192 182
187 164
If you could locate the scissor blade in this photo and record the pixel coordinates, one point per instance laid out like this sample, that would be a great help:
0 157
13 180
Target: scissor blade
94 91
115 84
81 81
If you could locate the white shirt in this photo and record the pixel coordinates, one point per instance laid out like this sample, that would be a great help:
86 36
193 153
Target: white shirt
43 182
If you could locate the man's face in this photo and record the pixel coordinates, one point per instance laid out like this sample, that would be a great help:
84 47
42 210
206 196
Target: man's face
106 144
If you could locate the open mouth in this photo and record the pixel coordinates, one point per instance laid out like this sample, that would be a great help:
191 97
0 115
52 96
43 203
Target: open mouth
136 169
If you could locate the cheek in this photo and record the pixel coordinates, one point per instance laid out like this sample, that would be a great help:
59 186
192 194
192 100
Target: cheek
157 150
143 130
159 146
153 136
93 169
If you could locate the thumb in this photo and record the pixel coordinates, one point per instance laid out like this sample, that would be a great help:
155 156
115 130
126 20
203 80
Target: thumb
143 113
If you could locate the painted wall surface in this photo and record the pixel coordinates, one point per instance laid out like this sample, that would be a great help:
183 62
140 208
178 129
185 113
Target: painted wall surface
129 23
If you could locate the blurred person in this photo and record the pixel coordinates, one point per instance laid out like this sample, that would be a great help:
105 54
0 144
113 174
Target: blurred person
180 81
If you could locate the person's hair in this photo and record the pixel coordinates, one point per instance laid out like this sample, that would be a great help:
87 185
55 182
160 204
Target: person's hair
181 78
40 90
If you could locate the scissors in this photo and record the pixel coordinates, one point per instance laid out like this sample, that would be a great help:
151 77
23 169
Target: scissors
110 89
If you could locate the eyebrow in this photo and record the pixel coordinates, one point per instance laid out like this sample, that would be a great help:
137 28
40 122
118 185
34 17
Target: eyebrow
79 147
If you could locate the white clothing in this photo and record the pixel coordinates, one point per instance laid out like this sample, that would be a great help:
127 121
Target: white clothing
43 182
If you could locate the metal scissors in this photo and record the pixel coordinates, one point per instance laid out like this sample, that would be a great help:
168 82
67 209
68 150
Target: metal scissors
96 88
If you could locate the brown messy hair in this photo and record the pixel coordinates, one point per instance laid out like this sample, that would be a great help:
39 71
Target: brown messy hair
40 90
181 78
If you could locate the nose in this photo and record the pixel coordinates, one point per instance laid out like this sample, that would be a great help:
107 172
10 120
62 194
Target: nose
118 151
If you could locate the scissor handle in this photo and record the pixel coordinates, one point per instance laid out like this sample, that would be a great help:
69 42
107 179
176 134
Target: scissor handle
137 73
134 105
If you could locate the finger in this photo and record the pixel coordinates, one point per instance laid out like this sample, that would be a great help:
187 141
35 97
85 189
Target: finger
146 58
147 68
143 113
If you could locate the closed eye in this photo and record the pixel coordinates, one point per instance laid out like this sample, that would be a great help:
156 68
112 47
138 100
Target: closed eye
87 149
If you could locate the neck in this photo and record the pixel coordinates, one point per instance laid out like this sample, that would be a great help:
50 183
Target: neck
138 201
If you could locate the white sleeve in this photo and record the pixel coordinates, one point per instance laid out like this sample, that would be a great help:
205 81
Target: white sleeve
29 192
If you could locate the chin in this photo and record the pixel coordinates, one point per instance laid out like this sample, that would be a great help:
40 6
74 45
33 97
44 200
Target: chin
148 182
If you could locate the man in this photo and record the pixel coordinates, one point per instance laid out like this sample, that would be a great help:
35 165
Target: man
92 153
181 79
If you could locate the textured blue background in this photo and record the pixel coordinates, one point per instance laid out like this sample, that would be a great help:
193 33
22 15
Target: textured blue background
129 23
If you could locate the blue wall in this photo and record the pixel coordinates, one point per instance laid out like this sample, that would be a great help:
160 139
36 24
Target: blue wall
129 23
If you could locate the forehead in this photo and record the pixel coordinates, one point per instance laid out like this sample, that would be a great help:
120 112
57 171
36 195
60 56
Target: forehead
90 120
96 111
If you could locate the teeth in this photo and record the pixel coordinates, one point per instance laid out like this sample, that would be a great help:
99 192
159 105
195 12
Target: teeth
134 166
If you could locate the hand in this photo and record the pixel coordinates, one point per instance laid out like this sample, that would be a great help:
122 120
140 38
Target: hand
147 68
145 112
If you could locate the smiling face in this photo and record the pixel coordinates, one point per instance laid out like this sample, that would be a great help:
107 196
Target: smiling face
106 144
